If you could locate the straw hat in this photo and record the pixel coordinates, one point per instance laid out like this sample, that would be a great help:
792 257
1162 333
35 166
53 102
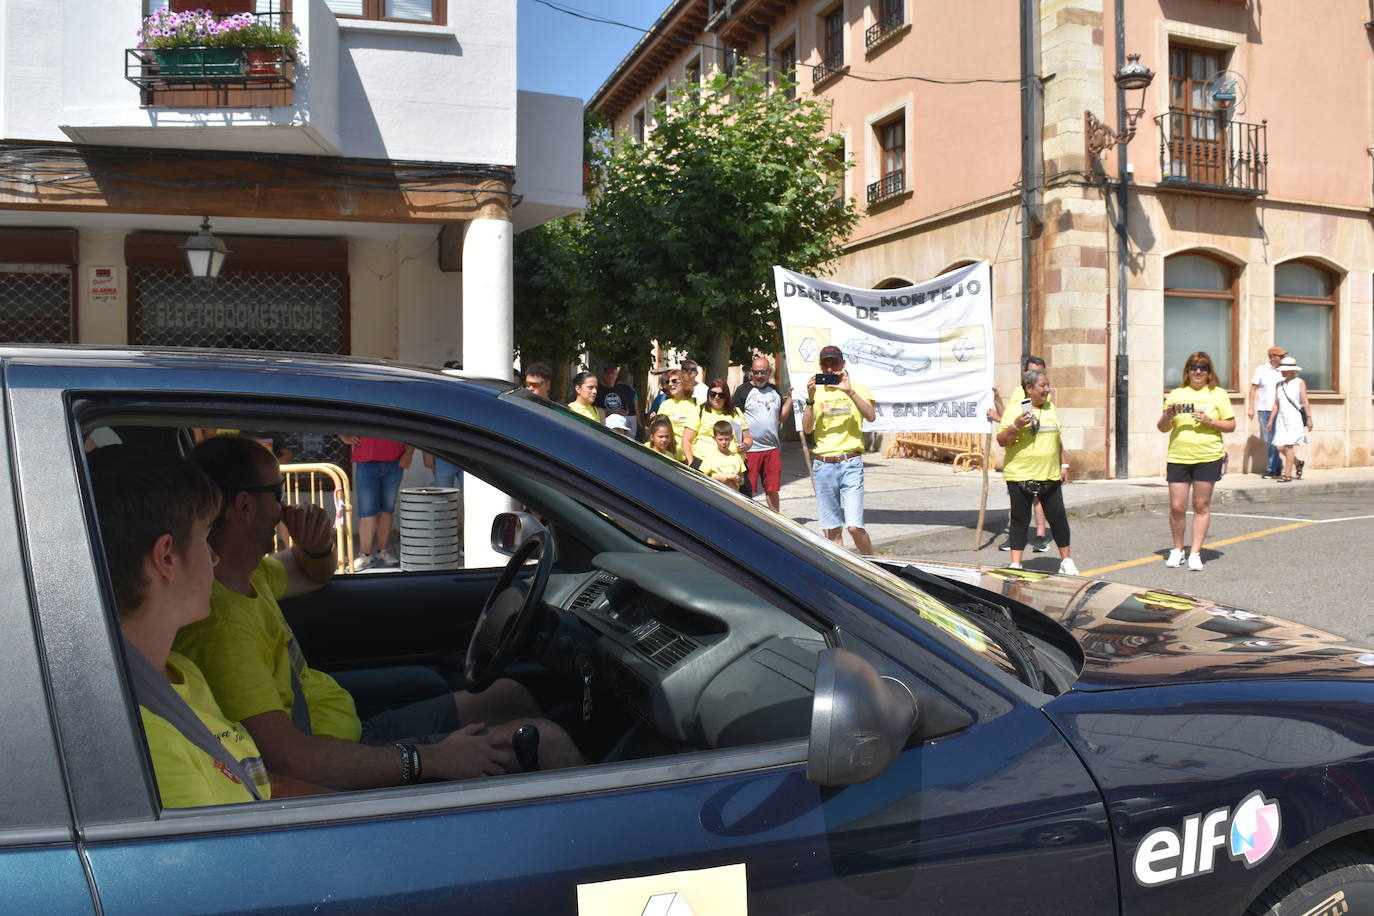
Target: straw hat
1289 364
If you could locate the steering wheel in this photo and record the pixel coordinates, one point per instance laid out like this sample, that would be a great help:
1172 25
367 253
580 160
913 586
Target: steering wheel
508 616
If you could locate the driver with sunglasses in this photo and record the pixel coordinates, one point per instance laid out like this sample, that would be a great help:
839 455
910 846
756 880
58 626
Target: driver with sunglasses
305 724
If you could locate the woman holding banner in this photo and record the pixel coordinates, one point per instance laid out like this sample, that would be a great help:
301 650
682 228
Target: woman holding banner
1034 467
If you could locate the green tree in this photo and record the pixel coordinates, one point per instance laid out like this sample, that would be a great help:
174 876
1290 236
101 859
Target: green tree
683 232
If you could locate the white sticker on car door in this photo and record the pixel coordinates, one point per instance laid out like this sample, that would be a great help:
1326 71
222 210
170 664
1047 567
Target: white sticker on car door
718 891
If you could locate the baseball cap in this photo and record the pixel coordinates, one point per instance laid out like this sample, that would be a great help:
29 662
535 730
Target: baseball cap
1277 351
616 421
830 352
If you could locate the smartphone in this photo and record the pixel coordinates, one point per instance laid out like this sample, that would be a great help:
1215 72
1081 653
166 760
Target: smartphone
1026 406
827 378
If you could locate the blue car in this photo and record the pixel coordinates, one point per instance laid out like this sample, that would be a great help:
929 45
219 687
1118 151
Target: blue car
776 726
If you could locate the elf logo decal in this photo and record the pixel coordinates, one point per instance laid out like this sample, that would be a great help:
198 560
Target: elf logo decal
1252 831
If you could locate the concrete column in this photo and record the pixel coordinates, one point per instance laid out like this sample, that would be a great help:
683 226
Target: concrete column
488 349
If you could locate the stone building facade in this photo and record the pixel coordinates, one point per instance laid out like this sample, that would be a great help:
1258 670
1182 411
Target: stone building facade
1248 185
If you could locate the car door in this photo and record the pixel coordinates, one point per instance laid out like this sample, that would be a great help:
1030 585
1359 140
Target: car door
735 830
40 865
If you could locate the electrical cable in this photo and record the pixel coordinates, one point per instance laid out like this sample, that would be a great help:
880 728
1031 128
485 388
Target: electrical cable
765 59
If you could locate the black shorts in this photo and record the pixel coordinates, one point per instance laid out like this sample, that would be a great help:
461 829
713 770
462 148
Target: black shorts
1208 471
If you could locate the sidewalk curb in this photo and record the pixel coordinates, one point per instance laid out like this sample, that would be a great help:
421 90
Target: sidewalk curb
1152 498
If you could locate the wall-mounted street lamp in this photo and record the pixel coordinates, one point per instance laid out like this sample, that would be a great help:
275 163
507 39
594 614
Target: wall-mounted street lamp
1129 77
1098 136
205 254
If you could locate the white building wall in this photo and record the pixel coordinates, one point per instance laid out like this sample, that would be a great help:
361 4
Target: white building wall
429 304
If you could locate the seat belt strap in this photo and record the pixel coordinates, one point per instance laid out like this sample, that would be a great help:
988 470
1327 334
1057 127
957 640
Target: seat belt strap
154 693
300 712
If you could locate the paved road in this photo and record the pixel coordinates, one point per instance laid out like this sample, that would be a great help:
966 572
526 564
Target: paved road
1305 559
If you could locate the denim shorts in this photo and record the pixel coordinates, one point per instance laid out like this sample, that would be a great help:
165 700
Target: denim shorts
447 474
377 483
839 492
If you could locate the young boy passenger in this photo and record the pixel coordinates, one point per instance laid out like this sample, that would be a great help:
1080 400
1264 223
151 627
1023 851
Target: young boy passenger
722 463
155 513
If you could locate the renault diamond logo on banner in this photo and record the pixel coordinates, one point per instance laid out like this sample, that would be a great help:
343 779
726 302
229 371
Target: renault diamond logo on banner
924 351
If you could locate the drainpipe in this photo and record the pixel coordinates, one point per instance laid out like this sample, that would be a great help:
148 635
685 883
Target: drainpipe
1123 254
1032 162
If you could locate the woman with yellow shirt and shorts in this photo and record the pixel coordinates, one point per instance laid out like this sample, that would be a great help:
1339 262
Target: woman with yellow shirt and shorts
1195 416
1034 468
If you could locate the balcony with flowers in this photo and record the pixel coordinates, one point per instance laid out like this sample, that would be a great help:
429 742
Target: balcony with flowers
194 59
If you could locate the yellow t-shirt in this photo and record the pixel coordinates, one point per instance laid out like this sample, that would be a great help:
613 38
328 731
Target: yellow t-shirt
249 655
706 427
1189 441
187 777
713 462
585 410
839 426
1034 453
682 413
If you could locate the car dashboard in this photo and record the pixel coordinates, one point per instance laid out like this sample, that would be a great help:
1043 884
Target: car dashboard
698 658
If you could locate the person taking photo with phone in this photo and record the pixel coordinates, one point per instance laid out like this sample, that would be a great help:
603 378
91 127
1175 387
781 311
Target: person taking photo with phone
1195 416
1034 467
835 410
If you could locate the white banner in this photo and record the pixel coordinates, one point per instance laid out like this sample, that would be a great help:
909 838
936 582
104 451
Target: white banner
924 351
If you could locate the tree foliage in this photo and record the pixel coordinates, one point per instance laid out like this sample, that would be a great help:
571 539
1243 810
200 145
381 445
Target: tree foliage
680 239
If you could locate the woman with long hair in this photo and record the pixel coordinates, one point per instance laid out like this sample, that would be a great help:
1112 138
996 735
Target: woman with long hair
718 407
1195 416
584 396
680 408
1034 468
661 438
1290 418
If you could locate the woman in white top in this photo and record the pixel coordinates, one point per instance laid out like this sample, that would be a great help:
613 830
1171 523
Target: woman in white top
1291 418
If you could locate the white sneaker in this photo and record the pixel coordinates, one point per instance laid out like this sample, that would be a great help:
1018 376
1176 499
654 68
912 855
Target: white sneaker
1013 566
365 561
1195 562
387 558
1175 558
1067 567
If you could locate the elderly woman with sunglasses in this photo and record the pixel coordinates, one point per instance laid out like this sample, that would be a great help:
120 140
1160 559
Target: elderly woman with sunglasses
718 407
1034 467
680 407
1195 416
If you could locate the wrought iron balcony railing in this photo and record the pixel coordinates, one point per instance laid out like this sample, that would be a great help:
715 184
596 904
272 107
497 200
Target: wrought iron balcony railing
827 68
883 28
1207 151
889 185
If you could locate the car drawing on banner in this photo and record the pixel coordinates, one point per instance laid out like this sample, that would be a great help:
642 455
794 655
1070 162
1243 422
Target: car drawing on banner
885 354
775 726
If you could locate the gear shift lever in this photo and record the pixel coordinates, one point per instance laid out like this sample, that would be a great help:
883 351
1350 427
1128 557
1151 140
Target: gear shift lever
525 743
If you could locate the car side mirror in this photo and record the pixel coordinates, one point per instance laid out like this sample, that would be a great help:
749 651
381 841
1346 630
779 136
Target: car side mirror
511 529
860 720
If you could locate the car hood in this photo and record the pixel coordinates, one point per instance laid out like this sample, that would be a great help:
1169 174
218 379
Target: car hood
1137 637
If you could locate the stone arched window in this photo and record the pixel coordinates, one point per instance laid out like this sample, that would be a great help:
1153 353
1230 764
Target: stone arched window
1199 314
1305 320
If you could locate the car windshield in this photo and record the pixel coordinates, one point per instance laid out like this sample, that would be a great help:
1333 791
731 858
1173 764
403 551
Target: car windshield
969 631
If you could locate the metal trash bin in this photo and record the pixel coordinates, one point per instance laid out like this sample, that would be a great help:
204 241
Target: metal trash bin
431 528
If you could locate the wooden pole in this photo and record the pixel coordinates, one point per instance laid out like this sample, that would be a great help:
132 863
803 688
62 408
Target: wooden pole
983 501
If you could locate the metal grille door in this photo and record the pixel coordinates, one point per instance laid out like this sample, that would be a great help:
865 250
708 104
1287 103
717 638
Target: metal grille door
251 310
35 303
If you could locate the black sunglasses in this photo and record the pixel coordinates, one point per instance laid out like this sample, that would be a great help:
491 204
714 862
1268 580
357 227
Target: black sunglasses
1199 367
277 489
758 371
716 394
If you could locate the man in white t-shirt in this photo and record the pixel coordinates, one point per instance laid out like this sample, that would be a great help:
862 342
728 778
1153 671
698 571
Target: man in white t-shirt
1263 388
765 409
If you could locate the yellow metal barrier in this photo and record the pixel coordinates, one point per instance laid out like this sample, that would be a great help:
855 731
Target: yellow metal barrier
966 448
326 486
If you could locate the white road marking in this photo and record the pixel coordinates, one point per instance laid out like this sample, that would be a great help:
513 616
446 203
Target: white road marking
1285 518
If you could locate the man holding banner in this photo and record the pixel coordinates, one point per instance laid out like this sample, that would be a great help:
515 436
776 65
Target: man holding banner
835 412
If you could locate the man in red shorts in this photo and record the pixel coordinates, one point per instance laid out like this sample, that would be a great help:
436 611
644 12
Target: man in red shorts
769 408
